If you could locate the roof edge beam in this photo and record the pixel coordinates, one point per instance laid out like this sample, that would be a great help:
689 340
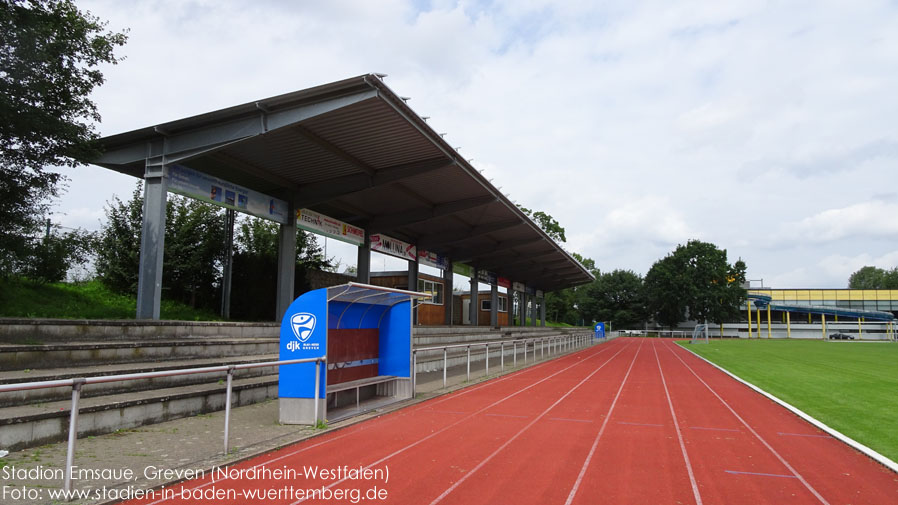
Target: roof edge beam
216 135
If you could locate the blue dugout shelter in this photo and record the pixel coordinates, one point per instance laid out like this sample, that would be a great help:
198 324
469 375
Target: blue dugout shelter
364 331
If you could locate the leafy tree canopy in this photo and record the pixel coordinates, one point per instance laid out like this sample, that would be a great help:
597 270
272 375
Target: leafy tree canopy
695 281
50 62
869 277
548 223
616 297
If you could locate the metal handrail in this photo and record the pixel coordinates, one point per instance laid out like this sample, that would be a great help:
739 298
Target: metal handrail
557 343
76 383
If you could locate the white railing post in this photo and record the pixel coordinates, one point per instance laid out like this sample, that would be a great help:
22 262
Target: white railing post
502 355
414 371
515 353
487 359
228 390
73 434
445 364
468 379
317 387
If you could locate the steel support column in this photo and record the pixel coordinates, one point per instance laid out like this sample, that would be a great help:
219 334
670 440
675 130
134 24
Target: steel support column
494 306
533 312
413 285
152 241
363 263
448 300
286 263
475 308
542 311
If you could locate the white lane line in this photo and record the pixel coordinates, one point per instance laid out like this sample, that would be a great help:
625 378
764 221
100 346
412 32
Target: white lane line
676 423
639 424
595 443
736 472
525 428
441 430
753 432
713 429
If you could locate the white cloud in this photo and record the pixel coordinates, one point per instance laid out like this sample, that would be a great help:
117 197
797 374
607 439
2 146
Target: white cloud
874 219
831 271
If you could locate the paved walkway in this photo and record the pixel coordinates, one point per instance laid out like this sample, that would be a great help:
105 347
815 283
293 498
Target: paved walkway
184 444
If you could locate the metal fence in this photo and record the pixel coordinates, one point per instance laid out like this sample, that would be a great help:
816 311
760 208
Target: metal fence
554 344
77 383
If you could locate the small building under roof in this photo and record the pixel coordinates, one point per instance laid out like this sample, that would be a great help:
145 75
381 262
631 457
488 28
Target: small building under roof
354 151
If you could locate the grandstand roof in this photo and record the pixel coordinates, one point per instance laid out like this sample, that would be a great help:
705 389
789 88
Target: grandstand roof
355 151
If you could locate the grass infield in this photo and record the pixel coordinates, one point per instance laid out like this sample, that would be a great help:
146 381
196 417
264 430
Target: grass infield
849 386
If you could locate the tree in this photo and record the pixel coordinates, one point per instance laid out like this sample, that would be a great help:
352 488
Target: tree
616 297
697 280
56 253
587 263
118 243
874 278
194 248
49 65
255 268
547 223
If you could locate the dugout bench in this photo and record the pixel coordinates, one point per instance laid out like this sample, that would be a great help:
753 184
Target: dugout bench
365 332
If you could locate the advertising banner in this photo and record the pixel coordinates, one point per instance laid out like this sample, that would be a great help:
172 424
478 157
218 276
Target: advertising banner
503 282
462 269
194 184
539 293
487 277
393 247
518 286
329 227
433 259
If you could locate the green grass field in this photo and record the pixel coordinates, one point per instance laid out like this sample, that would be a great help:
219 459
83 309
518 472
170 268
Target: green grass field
85 300
850 386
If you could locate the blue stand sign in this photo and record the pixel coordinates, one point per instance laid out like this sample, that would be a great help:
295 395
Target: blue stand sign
600 330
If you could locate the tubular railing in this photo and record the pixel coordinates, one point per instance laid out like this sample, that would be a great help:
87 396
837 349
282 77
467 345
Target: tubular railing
550 345
78 382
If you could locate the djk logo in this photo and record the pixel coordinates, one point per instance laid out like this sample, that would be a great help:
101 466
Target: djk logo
303 325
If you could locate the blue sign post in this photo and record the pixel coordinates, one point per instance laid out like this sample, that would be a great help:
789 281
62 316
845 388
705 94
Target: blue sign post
600 330
371 317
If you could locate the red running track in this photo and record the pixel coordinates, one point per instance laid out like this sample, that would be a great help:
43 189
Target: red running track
632 421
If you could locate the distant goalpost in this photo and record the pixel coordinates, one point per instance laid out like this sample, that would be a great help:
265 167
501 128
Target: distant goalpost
700 334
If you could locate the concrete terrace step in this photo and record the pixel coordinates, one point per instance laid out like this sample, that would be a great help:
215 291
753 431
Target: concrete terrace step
32 425
20 357
52 394
30 331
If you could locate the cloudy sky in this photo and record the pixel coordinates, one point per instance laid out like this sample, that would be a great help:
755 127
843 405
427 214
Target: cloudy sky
767 128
